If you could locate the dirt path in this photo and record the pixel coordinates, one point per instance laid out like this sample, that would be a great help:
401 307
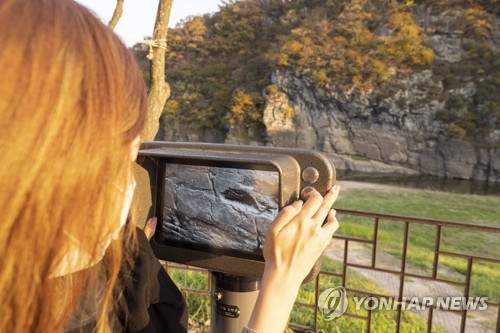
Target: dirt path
361 254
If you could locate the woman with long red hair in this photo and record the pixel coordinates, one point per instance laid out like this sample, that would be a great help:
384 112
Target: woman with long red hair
72 106
72 101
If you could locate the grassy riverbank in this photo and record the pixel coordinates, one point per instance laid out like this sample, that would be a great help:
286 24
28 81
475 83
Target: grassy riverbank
469 209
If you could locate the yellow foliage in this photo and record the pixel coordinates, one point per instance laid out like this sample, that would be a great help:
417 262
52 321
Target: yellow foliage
271 89
379 69
171 107
288 112
243 109
348 52
427 57
292 48
240 104
477 21
411 30
195 27
398 20
320 77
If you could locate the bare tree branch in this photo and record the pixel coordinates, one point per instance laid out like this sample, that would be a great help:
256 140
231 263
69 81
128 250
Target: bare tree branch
159 90
116 14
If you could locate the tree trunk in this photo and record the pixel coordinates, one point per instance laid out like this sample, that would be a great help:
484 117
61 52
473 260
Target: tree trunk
116 14
159 90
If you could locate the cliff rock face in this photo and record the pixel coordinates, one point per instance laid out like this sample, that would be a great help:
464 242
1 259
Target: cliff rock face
398 133
389 129
221 207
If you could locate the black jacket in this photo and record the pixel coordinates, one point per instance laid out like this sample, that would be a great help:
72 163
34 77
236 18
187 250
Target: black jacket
150 302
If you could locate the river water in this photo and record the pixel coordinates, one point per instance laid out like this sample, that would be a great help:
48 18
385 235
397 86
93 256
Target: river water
424 182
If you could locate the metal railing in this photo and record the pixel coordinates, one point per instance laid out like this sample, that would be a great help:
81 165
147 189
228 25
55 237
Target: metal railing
402 272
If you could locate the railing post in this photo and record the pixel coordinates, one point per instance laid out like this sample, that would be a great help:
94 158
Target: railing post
402 278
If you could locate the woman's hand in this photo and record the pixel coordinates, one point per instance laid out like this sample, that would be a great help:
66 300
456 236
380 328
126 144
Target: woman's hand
150 227
298 236
293 243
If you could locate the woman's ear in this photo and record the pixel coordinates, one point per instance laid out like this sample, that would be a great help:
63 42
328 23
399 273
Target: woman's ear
136 143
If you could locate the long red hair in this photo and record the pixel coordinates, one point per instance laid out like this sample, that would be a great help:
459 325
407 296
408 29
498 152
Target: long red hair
72 99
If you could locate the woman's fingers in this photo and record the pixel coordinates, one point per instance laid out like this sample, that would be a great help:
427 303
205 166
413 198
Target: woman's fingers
330 227
328 201
150 227
314 199
285 216
294 241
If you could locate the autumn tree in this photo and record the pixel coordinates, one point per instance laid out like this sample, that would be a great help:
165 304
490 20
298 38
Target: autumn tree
243 109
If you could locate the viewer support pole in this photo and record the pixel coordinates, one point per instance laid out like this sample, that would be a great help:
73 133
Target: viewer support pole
232 302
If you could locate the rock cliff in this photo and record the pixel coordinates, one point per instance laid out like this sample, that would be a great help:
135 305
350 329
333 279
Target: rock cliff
415 124
398 134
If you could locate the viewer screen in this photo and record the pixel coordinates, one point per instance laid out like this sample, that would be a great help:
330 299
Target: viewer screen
226 208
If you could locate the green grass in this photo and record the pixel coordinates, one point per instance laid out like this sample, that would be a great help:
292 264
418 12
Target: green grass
469 209
382 321
198 305
465 208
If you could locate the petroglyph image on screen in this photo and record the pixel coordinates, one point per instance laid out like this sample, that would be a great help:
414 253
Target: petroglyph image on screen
219 207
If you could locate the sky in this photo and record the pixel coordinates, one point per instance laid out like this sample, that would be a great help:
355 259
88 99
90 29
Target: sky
138 16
